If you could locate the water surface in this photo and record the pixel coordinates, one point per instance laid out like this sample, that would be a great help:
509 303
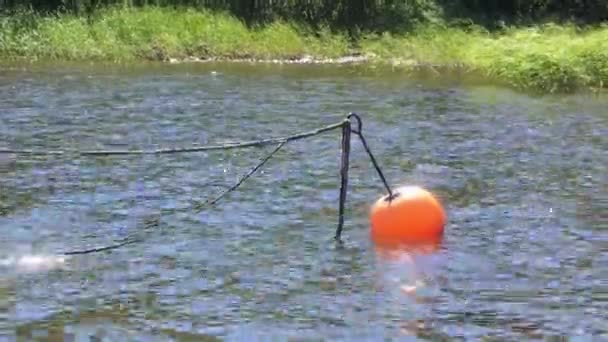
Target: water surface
523 180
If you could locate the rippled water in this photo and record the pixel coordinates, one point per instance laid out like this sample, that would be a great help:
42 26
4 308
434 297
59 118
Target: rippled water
523 180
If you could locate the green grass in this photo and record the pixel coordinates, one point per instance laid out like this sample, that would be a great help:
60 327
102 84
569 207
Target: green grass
127 34
546 58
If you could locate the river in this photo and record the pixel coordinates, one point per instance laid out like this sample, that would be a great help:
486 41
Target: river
523 180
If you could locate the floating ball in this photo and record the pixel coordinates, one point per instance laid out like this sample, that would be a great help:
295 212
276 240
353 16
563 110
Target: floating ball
414 215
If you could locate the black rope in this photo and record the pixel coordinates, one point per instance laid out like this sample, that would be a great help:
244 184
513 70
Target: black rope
148 223
346 130
133 240
253 143
198 207
346 137
125 242
359 132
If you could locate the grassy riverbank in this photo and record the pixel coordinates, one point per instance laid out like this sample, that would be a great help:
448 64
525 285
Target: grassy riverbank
546 58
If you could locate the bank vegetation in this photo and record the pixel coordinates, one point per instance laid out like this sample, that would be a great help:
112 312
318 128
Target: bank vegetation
541 45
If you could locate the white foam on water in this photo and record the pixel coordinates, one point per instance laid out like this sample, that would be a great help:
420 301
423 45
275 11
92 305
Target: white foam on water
33 263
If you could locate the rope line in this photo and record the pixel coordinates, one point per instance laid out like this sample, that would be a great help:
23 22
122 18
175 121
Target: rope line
199 207
244 144
345 125
132 240
127 241
359 132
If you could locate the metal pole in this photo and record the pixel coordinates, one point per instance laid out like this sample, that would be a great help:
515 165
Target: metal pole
346 130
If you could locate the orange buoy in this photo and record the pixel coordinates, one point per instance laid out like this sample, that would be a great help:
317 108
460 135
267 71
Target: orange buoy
414 215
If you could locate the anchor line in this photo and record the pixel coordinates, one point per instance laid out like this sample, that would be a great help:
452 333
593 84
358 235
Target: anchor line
243 178
280 142
227 146
359 133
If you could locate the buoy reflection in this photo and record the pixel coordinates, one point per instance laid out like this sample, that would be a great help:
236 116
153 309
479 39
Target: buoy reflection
409 267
